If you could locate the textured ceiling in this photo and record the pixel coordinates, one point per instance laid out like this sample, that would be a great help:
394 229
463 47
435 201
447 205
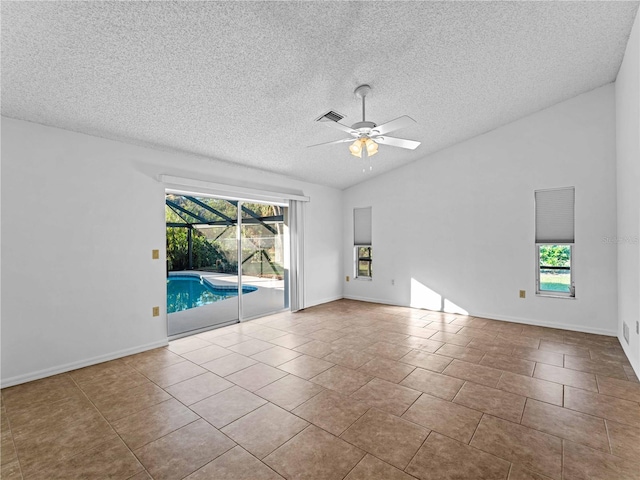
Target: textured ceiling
244 81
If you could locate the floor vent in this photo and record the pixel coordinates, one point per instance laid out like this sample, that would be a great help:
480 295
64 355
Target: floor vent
330 116
625 332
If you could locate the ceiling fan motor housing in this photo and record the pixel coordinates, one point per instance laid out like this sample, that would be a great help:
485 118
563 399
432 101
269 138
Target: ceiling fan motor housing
365 128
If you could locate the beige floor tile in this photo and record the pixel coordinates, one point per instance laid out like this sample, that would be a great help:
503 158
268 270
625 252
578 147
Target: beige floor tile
250 347
47 446
326 335
518 340
276 426
607 369
542 356
341 379
40 392
289 391
564 423
419 343
113 383
227 406
314 454
467 354
167 376
443 458
229 364
290 340
478 333
624 440
354 342
230 339
565 376
496 347
444 417
370 468
256 376
206 354
122 404
508 364
382 336
435 384
152 423
387 369
387 350
154 360
11 471
564 348
531 387
492 401
437 363
236 464
386 396
474 373
198 388
349 358
267 334
183 451
316 348
453 338
107 460
611 408
530 448
582 462
306 366
520 473
7 448
187 344
331 411
275 356
619 388
386 436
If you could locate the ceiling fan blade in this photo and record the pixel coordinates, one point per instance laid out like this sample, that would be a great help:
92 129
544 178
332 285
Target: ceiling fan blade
396 142
331 143
396 124
342 127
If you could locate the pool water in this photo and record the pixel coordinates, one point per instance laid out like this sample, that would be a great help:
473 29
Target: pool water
185 292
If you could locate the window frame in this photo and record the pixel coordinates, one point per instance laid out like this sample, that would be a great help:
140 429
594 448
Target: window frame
358 259
555 293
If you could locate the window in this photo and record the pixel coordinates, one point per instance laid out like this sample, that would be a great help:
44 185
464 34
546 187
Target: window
362 243
555 242
554 270
363 262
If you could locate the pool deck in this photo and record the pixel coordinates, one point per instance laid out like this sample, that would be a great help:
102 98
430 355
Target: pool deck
268 298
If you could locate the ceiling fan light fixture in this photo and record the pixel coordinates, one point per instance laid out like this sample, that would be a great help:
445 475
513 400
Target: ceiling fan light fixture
372 147
356 148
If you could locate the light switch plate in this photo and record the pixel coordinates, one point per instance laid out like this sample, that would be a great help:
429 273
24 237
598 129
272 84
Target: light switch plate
156 311
155 254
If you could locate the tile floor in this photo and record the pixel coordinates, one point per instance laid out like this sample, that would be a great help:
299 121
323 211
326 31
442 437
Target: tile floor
345 390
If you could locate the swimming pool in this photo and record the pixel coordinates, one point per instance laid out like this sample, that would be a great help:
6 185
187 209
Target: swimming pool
185 292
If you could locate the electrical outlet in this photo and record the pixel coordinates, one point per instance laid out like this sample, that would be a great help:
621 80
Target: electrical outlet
523 294
155 254
625 332
347 278
156 311
637 327
393 282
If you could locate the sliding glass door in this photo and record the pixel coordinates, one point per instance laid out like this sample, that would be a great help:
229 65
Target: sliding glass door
225 261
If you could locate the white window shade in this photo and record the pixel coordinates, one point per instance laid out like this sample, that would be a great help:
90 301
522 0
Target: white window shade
362 226
555 215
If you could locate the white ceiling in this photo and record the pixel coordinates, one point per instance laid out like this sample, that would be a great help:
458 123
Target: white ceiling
244 81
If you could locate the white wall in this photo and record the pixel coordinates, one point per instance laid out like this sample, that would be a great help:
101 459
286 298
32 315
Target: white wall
80 216
628 167
460 222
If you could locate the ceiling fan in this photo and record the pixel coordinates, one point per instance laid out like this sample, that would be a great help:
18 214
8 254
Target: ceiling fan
368 135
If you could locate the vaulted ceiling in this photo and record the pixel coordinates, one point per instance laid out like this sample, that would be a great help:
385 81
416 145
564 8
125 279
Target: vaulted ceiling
243 82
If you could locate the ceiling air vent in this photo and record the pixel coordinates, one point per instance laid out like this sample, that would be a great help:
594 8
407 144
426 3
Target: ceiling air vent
330 116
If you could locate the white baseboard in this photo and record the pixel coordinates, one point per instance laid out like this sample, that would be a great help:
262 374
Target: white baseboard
526 321
28 377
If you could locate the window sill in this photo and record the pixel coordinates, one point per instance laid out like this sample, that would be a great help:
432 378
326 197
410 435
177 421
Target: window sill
363 279
550 295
